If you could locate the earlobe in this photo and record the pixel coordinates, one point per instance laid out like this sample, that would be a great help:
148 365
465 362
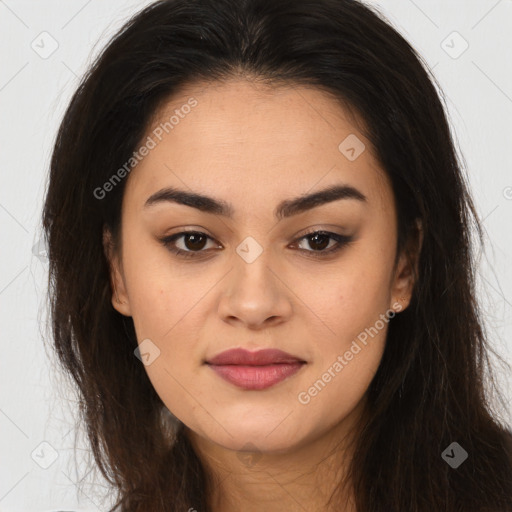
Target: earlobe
119 305
119 297
407 270
403 285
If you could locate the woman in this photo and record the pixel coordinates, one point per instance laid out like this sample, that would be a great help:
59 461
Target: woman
262 278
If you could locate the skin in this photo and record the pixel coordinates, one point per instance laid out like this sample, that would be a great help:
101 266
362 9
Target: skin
254 146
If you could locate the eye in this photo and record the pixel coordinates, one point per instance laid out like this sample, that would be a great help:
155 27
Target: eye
319 240
195 241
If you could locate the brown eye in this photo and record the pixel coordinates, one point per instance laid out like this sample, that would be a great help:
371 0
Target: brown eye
319 240
193 242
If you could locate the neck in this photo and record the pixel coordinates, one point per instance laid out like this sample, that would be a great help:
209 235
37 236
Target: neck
302 478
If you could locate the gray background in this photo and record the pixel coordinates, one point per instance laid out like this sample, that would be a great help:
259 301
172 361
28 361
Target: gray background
45 46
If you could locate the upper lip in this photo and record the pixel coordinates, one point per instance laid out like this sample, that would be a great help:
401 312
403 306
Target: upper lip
263 357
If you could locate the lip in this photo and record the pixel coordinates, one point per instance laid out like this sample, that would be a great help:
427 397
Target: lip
255 370
241 356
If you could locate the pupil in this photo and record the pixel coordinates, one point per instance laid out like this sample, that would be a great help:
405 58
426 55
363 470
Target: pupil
315 237
194 238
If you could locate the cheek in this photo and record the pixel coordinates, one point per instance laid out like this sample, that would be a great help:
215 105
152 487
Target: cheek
354 307
353 300
161 297
347 358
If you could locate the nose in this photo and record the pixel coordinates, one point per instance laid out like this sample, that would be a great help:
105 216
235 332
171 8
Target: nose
255 294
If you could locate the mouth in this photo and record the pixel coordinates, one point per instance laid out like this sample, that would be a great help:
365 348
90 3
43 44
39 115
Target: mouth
255 377
255 370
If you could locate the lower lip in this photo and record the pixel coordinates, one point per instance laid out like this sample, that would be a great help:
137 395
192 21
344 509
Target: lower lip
256 377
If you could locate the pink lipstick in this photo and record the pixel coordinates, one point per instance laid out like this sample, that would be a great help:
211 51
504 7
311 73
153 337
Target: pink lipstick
255 370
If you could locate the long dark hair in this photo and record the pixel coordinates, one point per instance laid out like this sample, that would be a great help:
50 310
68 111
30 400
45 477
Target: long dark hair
431 386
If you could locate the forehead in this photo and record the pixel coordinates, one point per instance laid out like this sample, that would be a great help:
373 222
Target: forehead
257 144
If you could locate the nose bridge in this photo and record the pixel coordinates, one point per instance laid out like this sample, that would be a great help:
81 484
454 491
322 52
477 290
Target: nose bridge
254 292
252 274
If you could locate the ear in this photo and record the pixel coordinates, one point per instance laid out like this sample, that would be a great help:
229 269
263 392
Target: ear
407 269
119 296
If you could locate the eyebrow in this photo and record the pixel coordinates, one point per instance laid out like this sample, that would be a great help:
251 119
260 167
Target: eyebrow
286 208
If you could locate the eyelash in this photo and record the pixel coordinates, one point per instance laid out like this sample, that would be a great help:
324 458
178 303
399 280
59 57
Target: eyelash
341 240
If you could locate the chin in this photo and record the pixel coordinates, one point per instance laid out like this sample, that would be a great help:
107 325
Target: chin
249 436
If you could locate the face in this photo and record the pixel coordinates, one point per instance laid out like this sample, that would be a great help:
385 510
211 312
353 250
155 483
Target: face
313 278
